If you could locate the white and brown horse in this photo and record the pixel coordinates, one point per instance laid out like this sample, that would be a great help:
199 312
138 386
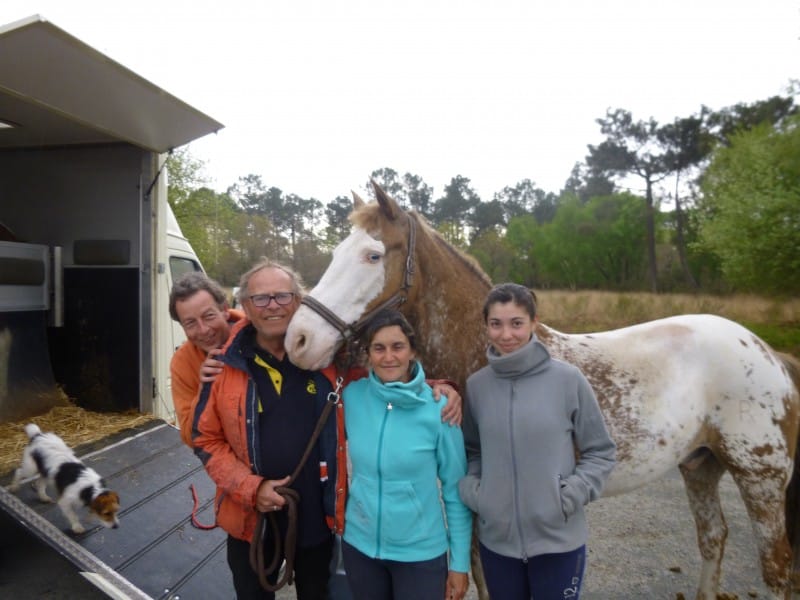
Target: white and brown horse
696 391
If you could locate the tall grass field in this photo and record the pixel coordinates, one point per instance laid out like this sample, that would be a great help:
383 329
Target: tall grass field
775 321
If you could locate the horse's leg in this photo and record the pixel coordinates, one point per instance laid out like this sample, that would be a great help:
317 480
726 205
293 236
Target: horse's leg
477 568
763 491
793 490
701 476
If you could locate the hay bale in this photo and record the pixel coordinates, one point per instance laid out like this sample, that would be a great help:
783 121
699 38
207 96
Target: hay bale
75 425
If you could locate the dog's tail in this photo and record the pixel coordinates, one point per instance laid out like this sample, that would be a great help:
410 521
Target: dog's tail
32 429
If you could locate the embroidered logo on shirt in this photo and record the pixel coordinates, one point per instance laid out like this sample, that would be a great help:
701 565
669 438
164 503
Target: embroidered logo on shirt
311 387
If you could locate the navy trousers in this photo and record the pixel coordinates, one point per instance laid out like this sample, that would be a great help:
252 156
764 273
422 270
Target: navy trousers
378 579
543 577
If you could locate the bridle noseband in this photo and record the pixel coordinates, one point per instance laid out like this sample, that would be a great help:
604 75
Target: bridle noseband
351 331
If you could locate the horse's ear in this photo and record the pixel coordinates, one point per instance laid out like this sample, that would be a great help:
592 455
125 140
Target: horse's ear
390 208
357 201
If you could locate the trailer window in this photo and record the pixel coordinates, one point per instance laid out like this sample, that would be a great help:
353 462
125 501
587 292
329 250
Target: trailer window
21 271
179 266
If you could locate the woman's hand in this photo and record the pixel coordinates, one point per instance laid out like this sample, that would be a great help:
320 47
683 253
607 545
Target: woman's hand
457 584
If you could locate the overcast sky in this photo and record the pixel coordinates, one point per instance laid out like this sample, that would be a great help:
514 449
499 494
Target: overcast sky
315 95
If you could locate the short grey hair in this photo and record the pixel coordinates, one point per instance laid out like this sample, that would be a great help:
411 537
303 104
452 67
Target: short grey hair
266 263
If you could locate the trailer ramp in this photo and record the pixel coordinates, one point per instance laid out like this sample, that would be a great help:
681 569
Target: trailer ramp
155 553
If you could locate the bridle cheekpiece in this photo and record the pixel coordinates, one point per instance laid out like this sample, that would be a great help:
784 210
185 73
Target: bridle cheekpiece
351 331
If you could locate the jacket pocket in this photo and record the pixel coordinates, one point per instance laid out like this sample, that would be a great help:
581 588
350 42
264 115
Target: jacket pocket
232 517
562 502
402 517
228 416
360 519
495 512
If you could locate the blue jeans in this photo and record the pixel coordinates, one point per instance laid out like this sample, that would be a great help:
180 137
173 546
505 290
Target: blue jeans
543 577
378 579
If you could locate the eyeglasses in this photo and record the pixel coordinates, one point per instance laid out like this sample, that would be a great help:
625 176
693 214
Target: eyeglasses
263 300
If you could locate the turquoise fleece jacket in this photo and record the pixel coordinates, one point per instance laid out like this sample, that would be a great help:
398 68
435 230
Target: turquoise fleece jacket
399 447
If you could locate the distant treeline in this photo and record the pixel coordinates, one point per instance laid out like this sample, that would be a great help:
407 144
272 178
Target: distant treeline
708 202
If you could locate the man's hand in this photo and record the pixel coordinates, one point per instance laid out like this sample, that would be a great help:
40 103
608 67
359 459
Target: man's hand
211 367
267 499
451 413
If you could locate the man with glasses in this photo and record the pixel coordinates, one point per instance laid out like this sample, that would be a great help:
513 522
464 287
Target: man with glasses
251 427
200 305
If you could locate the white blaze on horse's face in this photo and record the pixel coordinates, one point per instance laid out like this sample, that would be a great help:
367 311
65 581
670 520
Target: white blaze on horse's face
355 276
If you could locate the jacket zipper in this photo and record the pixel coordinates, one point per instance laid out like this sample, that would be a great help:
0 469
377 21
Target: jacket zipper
380 481
250 417
514 471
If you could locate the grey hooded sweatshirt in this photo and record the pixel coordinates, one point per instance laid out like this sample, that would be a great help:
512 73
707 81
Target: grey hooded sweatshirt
528 418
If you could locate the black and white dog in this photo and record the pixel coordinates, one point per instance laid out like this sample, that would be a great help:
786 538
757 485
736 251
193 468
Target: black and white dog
47 456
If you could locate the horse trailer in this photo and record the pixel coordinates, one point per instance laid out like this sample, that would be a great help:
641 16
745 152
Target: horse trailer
88 250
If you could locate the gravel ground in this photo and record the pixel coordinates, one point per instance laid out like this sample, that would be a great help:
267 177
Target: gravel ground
642 546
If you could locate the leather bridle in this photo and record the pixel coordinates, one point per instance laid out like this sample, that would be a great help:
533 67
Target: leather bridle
351 331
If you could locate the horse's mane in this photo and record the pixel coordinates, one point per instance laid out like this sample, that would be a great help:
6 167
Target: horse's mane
369 217
469 262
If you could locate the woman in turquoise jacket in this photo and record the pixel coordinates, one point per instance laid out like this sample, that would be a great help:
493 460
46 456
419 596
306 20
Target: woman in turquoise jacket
397 543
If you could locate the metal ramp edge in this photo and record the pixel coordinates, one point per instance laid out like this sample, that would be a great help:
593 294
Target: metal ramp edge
96 571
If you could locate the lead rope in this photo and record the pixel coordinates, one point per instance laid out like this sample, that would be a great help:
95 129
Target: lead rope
292 499
195 521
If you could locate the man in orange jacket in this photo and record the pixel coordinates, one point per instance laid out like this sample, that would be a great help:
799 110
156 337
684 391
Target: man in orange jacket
200 305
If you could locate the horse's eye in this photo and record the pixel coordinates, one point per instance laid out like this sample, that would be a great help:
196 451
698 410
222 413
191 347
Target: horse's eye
373 257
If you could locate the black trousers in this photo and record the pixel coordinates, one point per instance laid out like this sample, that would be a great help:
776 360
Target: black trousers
311 571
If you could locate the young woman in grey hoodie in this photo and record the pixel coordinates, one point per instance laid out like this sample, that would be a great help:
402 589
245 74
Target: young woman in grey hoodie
538 450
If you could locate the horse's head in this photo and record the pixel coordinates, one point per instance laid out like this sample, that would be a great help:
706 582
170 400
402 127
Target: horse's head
372 266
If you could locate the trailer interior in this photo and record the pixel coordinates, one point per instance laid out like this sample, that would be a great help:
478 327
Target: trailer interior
82 147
